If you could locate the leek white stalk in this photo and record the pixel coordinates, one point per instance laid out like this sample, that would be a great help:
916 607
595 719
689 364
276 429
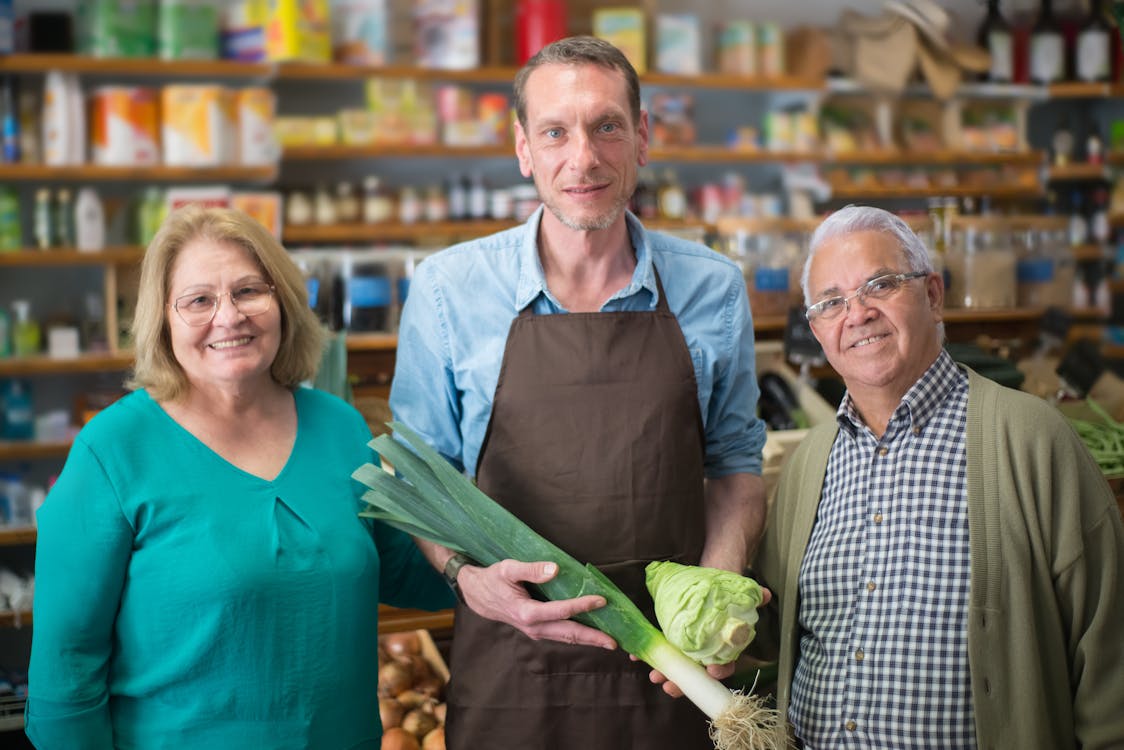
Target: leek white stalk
430 499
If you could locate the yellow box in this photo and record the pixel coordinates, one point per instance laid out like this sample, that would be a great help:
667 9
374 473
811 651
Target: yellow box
199 125
298 30
625 29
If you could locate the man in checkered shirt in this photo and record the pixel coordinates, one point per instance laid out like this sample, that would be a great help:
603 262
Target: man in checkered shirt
946 557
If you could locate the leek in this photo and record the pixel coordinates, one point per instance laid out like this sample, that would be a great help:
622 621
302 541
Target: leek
428 498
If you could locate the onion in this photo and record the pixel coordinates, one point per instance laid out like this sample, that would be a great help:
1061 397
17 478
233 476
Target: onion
411 699
394 677
399 739
390 713
419 722
400 645
435 740
439 713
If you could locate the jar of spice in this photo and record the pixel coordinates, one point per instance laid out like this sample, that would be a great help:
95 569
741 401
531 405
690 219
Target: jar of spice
981 263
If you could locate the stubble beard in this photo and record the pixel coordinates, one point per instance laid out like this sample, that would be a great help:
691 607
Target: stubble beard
596 223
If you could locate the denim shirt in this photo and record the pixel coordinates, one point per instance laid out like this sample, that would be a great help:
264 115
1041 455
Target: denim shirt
462 300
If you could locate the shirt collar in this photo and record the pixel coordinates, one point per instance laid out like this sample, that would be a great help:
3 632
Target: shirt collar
532 279
920 402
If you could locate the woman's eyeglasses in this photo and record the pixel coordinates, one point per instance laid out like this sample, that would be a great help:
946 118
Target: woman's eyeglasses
199 309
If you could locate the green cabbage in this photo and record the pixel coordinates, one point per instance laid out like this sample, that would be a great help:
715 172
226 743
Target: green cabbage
709 614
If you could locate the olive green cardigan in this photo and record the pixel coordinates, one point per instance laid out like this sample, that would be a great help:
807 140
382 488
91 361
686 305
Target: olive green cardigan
1046 617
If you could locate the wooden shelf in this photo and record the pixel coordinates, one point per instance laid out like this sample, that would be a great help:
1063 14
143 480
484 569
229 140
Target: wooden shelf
394 620
112 256
122 66
720 154
1091 251
84 363
998 315
23 619
27 450
342 151
505 75
98 173
372 342
305 71
1078 90
388 232
877 192
14 536
1078 173
896 157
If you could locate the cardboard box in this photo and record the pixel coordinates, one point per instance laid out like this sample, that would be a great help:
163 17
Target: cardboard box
624 29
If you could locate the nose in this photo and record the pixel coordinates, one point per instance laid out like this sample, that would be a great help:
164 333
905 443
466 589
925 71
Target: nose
227 311
857 302
584 156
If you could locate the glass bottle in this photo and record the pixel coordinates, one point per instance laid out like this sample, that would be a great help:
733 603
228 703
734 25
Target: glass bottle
1092 61
672 199
64 219
44 224
994 35
1047 47
347 204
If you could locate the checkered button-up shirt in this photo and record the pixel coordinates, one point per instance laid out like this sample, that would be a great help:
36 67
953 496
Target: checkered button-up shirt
884 582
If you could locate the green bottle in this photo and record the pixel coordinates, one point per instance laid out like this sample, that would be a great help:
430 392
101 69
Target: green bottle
26 339
11 237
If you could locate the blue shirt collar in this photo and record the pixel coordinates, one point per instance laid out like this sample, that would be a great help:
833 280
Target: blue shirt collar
532 279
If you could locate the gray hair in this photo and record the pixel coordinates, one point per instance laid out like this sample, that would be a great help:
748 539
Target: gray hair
578 50
853 219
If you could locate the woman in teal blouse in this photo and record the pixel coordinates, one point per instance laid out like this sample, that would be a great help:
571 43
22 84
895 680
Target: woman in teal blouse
202 576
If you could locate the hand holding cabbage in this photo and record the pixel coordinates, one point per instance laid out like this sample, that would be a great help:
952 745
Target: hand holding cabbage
708 614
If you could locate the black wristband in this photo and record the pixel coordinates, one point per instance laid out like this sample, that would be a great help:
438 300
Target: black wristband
452 569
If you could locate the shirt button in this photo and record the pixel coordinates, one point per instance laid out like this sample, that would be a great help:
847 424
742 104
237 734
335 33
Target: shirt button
870 586
883 451
859 655
878 518
851 726
916 430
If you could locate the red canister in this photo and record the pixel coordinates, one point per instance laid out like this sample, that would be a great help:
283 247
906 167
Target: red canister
537 24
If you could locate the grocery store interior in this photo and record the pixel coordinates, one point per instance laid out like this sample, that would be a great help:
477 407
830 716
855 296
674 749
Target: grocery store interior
372 133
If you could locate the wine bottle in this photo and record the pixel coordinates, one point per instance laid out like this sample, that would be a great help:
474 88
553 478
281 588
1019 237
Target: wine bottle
994 35
1047 47
1092 62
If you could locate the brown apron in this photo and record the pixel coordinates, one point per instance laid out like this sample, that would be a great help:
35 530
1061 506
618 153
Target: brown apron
596 442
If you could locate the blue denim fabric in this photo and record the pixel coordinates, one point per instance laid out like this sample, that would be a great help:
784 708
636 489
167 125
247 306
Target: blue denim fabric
462 300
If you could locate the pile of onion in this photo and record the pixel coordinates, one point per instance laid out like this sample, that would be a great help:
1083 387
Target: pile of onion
411 695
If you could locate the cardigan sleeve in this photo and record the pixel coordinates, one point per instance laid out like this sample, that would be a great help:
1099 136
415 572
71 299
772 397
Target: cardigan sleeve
81 558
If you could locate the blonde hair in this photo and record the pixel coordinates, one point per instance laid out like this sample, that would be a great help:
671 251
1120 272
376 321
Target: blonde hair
302 337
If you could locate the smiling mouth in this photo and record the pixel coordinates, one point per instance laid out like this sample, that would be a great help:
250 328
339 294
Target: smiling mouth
231 343
867 340
584 189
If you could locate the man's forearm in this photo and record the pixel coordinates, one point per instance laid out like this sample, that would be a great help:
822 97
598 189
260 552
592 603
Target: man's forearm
735 520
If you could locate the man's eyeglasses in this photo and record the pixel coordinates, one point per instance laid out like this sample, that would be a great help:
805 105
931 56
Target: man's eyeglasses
877 288
199 309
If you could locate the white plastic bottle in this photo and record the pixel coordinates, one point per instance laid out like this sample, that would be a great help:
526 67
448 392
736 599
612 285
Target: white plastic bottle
56 120
89 221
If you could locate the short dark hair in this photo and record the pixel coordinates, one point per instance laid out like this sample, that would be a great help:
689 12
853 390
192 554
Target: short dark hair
576 50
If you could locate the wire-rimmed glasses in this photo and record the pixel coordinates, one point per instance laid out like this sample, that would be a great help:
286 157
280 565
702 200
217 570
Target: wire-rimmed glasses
880 287
199 308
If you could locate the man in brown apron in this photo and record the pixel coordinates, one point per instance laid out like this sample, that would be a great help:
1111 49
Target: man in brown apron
595 438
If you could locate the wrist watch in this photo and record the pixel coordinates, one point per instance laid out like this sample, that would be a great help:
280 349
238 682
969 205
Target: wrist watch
452 569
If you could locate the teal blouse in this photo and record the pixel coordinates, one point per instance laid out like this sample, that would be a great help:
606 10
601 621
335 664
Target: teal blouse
181 602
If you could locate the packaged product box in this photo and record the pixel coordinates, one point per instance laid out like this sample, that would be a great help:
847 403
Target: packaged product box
242 30
125 126
117 28
359 32
447 34
199 125
264 205
737 48
673 119
255 107
298 30
678 44
211 196
188 30
624 29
